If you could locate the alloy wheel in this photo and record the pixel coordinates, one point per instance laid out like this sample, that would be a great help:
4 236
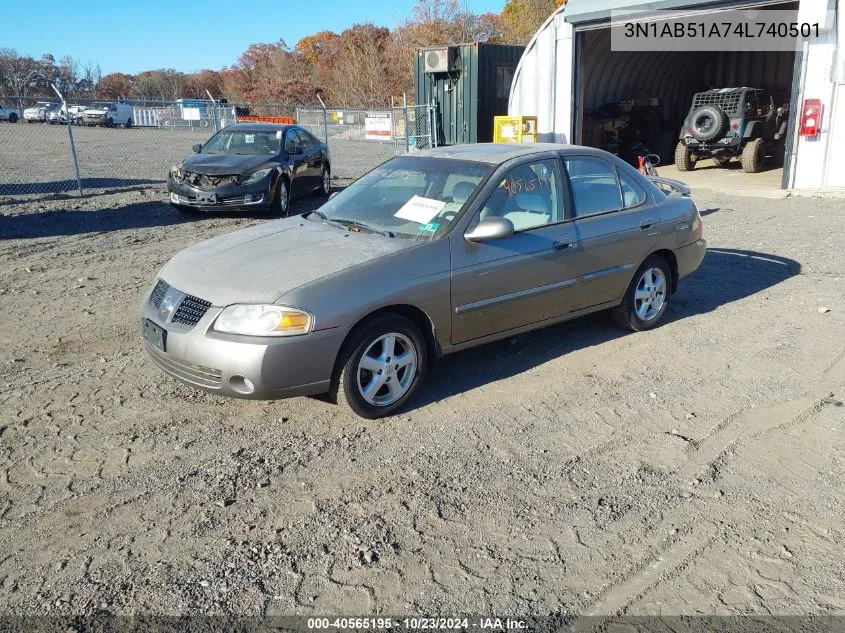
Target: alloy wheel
650 295
387 369
327 181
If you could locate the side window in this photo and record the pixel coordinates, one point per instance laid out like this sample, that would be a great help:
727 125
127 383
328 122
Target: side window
632 194
305 139
529 196
313 139
292 142
594 186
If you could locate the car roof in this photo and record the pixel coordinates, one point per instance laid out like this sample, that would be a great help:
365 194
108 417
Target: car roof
258 127
498 153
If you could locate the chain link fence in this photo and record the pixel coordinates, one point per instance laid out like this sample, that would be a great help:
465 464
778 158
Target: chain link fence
125 145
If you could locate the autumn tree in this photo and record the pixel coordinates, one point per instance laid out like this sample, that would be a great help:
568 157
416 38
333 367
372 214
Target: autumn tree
200 84
115 86
520 19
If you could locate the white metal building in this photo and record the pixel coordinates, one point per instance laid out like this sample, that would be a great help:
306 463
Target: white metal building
568 70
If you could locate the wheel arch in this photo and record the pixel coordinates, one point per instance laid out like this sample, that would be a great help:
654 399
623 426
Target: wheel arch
672 260
416 315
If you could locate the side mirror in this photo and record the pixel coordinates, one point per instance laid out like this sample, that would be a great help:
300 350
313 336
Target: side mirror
490 229
197 148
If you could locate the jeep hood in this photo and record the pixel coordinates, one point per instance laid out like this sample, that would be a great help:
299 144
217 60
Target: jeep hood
261 263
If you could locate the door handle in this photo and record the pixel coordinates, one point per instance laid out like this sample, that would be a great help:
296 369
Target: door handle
645 225
563 246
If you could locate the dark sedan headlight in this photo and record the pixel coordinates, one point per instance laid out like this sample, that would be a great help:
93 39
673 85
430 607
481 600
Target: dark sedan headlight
256 176
264 320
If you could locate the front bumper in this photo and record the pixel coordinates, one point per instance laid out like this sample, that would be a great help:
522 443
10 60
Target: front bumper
257 368
258 195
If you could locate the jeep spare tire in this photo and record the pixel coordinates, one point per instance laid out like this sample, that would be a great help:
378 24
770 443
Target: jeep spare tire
708 123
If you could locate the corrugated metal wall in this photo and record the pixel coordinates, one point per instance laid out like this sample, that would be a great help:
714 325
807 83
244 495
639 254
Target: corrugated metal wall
466 99
673 77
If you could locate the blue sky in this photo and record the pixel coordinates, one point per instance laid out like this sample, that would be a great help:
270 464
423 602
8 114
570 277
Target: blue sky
135 35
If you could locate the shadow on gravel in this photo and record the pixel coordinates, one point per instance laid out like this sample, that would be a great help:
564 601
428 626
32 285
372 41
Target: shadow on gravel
138 215
725 275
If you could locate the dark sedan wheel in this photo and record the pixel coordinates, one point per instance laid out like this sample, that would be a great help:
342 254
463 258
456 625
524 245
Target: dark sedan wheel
281 203
381 366
647 297
326 182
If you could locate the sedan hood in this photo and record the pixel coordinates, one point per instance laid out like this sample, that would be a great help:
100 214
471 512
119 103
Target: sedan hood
225 164
261 263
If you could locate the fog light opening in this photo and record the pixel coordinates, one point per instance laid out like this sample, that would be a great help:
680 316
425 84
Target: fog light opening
174 198
241 384
253 198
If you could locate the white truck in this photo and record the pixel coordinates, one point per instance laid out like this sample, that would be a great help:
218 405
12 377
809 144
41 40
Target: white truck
9 114
40 111
109 114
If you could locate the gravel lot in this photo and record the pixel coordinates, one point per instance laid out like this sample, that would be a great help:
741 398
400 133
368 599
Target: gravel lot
36 158
696 468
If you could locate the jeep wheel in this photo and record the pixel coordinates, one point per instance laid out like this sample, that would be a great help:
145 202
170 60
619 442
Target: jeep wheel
753 156
683 158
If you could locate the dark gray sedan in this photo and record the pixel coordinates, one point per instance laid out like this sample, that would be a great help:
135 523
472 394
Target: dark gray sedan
426 255
252 166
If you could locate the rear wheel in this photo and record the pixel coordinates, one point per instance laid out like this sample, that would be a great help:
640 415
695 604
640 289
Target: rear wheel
128 123
381 366
647 297
13 118
754 156
326 181
683 157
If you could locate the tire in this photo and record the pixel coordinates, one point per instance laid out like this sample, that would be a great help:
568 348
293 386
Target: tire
326 182
280 207
13 118
640 314
708 123
683 157
128 124
753 156
109 123
721 161
385 397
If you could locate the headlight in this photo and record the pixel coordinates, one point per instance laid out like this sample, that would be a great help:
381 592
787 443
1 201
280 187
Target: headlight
176 172
264 320
257 175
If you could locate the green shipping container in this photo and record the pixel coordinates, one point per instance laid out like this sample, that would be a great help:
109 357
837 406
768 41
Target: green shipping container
470 84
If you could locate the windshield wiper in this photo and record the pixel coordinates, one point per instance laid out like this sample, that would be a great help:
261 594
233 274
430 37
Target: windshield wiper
366 227
349 224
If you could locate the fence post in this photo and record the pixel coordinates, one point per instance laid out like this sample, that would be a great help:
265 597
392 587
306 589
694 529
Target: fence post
405 115
70 136
325 120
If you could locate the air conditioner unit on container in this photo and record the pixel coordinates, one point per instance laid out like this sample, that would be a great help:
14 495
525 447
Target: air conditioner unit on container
441 60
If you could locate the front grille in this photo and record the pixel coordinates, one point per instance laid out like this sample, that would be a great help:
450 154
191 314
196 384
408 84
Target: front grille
204 180
190 311
158 293
727 101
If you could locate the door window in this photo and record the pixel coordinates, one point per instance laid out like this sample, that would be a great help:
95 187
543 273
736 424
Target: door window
632 194
594 186
292 143
305 140
529 196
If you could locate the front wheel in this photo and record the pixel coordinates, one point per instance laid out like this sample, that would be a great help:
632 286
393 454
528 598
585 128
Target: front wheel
381 366
281 202
13 118
753 156
647 297
128 124
683 158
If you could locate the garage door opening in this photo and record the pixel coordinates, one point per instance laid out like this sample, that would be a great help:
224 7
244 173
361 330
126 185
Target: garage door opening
632 103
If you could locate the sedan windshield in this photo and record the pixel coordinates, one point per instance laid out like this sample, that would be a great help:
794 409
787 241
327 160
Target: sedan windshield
409 196
243 143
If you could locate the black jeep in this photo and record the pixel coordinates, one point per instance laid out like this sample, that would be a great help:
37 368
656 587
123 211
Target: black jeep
730 122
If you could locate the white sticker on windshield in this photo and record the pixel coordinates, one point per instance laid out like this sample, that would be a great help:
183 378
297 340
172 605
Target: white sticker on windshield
249 138
278 134
420 210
